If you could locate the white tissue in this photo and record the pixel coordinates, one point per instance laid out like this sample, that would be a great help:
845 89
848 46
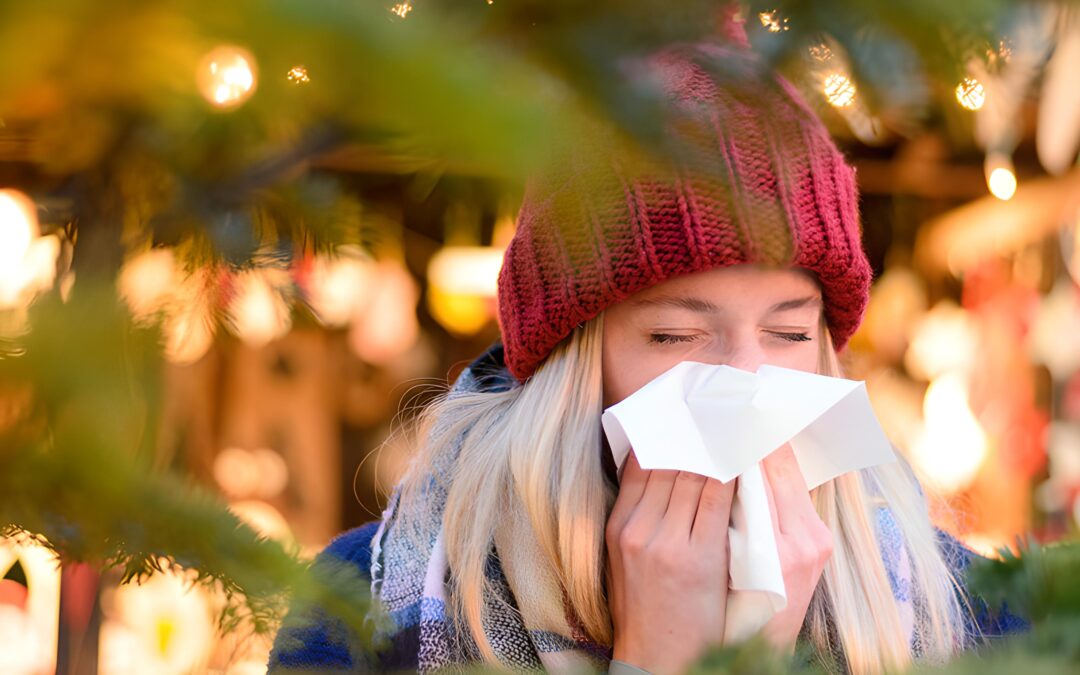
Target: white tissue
721 422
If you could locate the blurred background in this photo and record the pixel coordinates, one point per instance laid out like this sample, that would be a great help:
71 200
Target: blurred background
240 246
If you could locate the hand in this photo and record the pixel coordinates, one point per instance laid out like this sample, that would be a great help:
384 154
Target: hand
667 566
804 541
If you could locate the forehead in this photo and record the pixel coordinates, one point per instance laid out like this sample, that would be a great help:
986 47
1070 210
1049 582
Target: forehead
738 284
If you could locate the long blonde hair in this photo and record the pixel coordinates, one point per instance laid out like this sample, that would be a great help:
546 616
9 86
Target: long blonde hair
534 452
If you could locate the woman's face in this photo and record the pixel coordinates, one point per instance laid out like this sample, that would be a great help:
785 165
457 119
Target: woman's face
741 316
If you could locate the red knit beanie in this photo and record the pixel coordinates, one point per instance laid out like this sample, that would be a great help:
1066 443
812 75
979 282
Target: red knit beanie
757 179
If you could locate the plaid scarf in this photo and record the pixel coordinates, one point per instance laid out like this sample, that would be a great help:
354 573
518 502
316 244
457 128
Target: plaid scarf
528 622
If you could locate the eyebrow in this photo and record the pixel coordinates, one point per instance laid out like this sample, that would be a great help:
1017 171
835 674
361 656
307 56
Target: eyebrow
798 303
705 307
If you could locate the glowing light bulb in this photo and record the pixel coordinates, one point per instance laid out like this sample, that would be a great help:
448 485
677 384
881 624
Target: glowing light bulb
298 75
226 76
839 90
971 93
402 9
1000 176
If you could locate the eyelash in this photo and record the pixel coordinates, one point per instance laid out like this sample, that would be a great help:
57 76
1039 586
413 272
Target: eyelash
669 339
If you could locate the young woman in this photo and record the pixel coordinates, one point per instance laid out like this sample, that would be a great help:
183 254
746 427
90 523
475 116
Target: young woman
512 542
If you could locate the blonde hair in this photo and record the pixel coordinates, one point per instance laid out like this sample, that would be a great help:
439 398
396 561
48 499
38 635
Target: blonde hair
534 452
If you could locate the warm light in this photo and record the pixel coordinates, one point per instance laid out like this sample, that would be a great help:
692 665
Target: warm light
772 21
463 282
164 624
970 93
188 327
1000 176
226 76
402 9
298 75
339 287
952 446
459 313
388 328
28 630
147 281
469 270
821 52
944 340
18 227
241 473
259 314
27 260
263 518
839 90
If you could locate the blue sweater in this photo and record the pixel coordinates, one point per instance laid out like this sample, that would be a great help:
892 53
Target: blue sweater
322 642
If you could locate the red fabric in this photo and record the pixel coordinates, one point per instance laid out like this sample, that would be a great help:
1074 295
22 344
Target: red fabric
757 180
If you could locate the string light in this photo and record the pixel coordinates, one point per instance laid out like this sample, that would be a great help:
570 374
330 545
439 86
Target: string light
402 9
772 21
839 90
970 93
1000 176
298 75
226 76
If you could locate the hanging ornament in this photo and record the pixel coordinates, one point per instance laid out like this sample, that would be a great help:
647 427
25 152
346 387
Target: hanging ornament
970 93
1057 136
226 76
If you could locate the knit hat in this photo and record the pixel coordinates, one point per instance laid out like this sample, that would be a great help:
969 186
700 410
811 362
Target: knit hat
749 175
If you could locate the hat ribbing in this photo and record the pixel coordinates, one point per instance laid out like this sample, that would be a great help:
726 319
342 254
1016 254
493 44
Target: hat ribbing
757 180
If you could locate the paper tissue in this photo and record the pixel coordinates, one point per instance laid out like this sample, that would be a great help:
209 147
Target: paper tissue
721 422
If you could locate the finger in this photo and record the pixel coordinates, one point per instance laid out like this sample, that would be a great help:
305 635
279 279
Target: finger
631 487
653 504
772 507
683 504
788 487
713 515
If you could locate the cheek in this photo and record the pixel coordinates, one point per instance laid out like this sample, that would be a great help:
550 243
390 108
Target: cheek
628 365
802 356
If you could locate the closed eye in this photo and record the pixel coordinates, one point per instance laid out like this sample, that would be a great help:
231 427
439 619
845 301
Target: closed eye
670 338
791 337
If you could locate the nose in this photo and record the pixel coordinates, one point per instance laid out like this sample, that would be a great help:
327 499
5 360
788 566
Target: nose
743 351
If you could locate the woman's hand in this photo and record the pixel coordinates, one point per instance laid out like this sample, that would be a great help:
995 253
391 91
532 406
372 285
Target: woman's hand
804 541
667 542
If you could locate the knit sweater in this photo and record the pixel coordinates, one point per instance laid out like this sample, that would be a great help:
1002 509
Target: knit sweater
312 640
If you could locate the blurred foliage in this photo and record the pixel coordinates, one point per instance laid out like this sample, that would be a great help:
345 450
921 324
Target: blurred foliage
99 99
78 473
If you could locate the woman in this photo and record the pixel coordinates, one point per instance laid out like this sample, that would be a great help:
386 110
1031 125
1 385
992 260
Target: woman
512 542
